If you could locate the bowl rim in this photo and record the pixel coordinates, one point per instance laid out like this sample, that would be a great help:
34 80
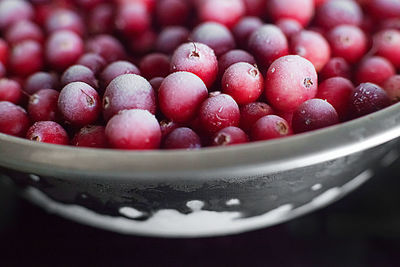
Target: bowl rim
237 161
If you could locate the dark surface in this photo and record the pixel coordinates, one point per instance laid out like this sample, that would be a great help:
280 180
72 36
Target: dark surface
363 229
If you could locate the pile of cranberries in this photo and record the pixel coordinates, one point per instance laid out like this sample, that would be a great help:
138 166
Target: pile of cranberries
185 74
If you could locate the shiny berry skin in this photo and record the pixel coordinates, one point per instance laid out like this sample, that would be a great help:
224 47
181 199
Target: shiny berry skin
132 18
336 67
107 46
348 42
219 112
134 129
226 12
243 82
374 70
252 112
215 35
337 92
392 88
267 44
170 38
383 9
26 58
312 46
387 44
63 49
173 12
232 57
128 91
299 10
79 73
182 138
12 11
196 58
43 106
244 28
116 69
91 136
367 98
270 127
93 61
10 91
333 13
289 26
48 132
290 81
230 136
79 104
13 119
314 114
65 19
40 80
180 96
154 65
22 31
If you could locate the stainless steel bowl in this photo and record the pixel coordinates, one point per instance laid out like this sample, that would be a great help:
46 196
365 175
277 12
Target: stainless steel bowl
213 191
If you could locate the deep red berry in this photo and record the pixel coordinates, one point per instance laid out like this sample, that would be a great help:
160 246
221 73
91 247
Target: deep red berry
13 119
42 106
367 98
382 9
270 127
290 81
392 88
128 91
299 10
143 43
79 73
198 59
26 58
337 92
229 136
107 46
387 45
132 18
4 51
180 96
101 19
314 114
40 80
182 138
156 83
173 12
22 31
170 38
65 19
91 136
255 7
333 13
116 69
93 61
12 11
154 65
243 82
374 70
167 126
336 67
10 91
79 104
244 28
252 112
289 26
232 57
227 12
134 129
48 132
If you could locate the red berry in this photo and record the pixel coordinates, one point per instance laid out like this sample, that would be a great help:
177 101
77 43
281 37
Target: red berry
107 47
91 136
132 18
48 132
172 12
314 114
255 7
182 138
4 51
115 69
374 70
13 119
79 73
229 136
290 81
10 91
180 96
252 112
392 88
134 129
299 10
383 9
93 61
128 91
387 45
167 127
143 43
12 11
40 80
154 65
22 31
101 19
170 38
289 26
270 127
232 57
226 12
336 67
65 19
26 58
42 105
244 28
333 13
156 83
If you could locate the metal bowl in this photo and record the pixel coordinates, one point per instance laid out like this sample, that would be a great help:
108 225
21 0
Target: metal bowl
213 191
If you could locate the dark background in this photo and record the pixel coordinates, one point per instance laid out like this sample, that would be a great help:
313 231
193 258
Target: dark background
363 229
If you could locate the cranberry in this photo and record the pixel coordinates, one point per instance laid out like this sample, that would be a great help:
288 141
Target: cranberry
170 38
182 138
383 9
64 19
314 114
392 88
337 92
167 126
312 46
79 73
215 35
12 11
89 4
63 49
143 43
107 47
156 83
101 19
290 81
22 31
227 12
43 105
375 70
134 129
387 45
116 69
232 57
287 116
4 51
333 13
219 112
196 58
128 91
79 104
336 67
93 61
26 58
132 18
40 80
3 70
91 136
13 119
252 112
289 26
348 42
367 98
48 132
268 43
10 91
243 82
172 12
255 7
180 96
230 136
393 23
244 28
154 65
270 127
299 10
